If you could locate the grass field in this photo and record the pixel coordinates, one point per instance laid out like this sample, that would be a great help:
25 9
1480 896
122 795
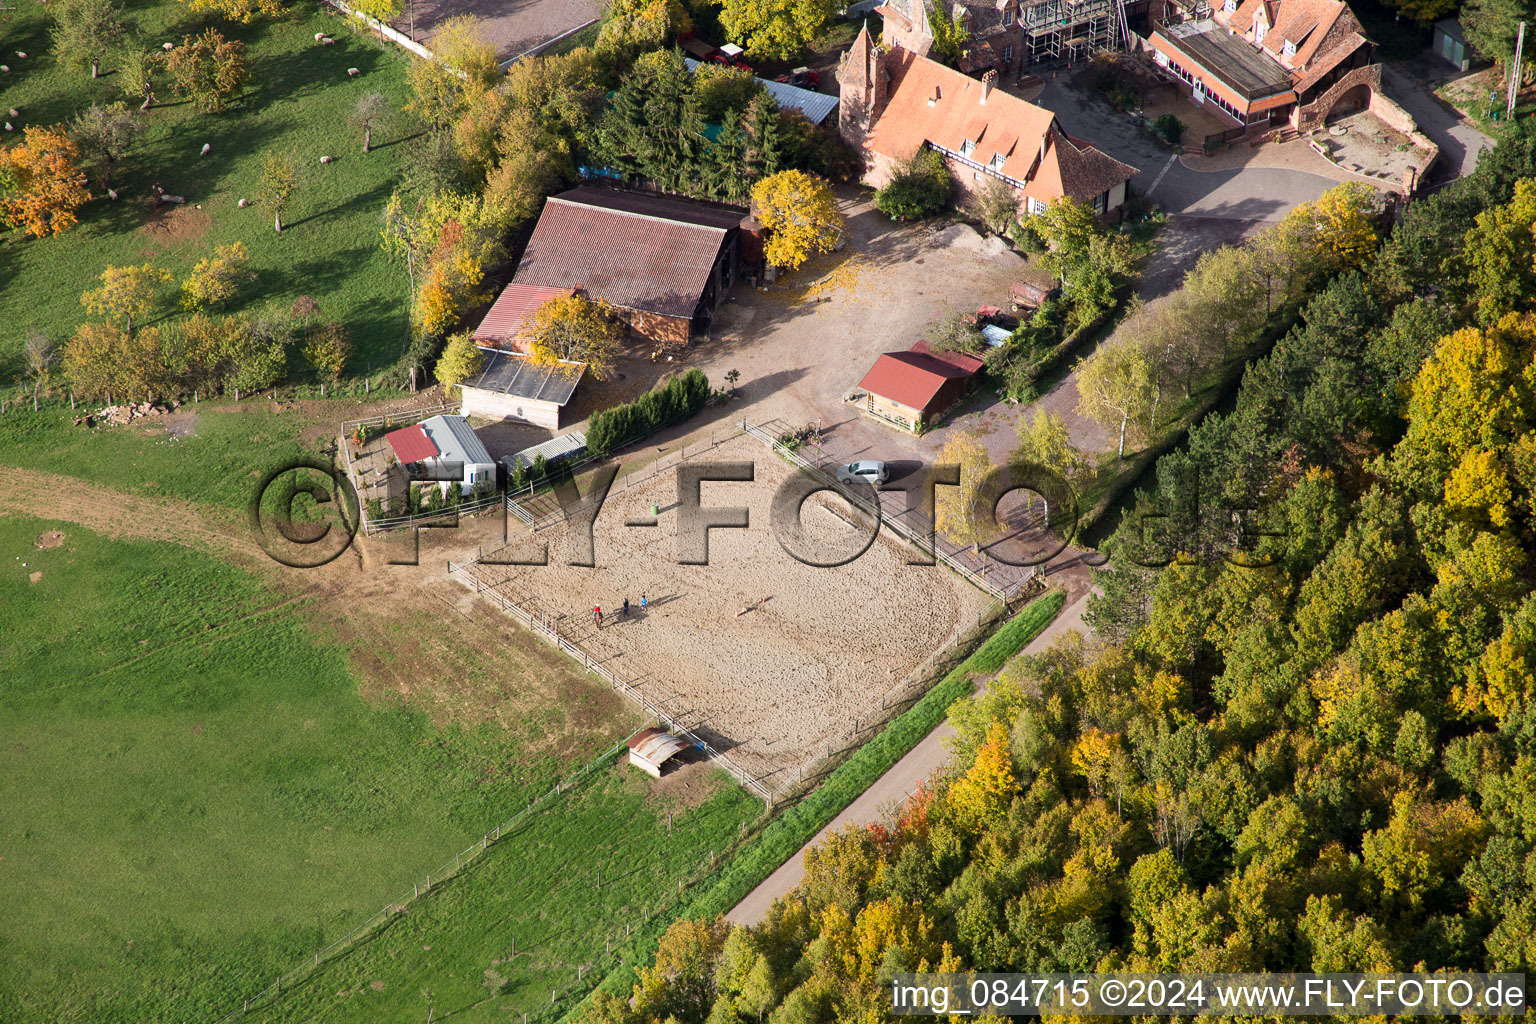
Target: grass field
298 99
528 916
216 455
195 794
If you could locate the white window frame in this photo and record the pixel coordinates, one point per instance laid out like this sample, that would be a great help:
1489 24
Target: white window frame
1287 49
1008 17
1008 54
967 148
997 161
1036 207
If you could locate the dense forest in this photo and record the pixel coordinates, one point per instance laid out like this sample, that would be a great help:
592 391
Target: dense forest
1307 741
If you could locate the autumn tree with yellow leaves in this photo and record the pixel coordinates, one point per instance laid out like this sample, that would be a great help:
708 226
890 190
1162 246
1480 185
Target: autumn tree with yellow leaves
800 213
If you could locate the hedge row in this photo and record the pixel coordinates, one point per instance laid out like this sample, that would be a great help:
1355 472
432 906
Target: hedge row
677 399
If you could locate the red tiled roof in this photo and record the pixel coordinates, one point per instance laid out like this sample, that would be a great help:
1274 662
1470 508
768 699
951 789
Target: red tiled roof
1004 125
411 444
504 322
965 362
648 253
911 378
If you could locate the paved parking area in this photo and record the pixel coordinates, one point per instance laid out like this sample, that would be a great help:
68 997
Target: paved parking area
1249 192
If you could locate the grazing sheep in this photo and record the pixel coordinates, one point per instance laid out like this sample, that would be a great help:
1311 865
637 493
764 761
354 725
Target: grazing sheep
244 203
325 159
353 72
5 67
14 112
167 46
20 55
327 41
319 36
8 127
206 149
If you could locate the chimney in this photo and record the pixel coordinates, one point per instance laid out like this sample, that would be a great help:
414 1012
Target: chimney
1045 140
937 95
988 80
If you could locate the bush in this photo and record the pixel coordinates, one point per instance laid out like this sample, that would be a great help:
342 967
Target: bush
1170 128
677 399
921 188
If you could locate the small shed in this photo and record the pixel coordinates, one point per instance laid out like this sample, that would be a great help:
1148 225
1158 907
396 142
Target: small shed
651 749
913 388
1450 44
514 386
445 451
556 450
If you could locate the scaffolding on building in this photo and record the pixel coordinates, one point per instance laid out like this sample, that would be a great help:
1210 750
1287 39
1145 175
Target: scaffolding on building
1072 30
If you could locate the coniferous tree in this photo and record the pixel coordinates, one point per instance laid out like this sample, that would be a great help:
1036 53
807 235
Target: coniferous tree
763 150
725 171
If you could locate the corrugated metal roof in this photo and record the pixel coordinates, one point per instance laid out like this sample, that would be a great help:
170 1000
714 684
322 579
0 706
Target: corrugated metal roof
512 373
814 105
656 746
565 446
456 441
411 444
648 253
504 322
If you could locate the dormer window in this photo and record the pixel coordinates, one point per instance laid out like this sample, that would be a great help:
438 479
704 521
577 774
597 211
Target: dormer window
1008 17
1229 7
997 161
967 147
1288 49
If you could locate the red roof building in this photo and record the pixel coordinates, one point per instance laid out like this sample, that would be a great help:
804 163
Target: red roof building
502 327
411 444
911 389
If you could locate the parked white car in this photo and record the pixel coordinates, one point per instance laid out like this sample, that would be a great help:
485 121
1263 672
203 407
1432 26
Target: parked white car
867 472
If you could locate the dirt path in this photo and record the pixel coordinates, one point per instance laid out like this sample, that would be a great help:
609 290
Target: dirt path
874 804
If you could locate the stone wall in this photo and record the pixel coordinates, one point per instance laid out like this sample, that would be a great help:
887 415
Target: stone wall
495 405
1311 116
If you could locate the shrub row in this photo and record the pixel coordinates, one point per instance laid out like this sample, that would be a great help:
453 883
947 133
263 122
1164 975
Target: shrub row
677 399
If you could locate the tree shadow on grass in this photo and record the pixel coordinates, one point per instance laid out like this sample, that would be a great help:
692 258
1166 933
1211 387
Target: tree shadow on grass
293 75
373 198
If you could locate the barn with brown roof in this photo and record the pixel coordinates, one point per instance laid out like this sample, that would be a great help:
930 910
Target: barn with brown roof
666 263
911 389
896 102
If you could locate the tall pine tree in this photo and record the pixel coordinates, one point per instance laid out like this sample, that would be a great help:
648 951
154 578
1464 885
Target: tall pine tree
764 155
725 174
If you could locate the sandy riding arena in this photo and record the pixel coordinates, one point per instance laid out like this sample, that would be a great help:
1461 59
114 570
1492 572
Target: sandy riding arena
764 656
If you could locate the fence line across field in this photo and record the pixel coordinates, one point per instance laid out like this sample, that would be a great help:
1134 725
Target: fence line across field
445 871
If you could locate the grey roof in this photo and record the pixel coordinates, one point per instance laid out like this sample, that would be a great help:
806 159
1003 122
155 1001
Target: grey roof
456 441
1240 65
512 373
1452 28
814 105
556 448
